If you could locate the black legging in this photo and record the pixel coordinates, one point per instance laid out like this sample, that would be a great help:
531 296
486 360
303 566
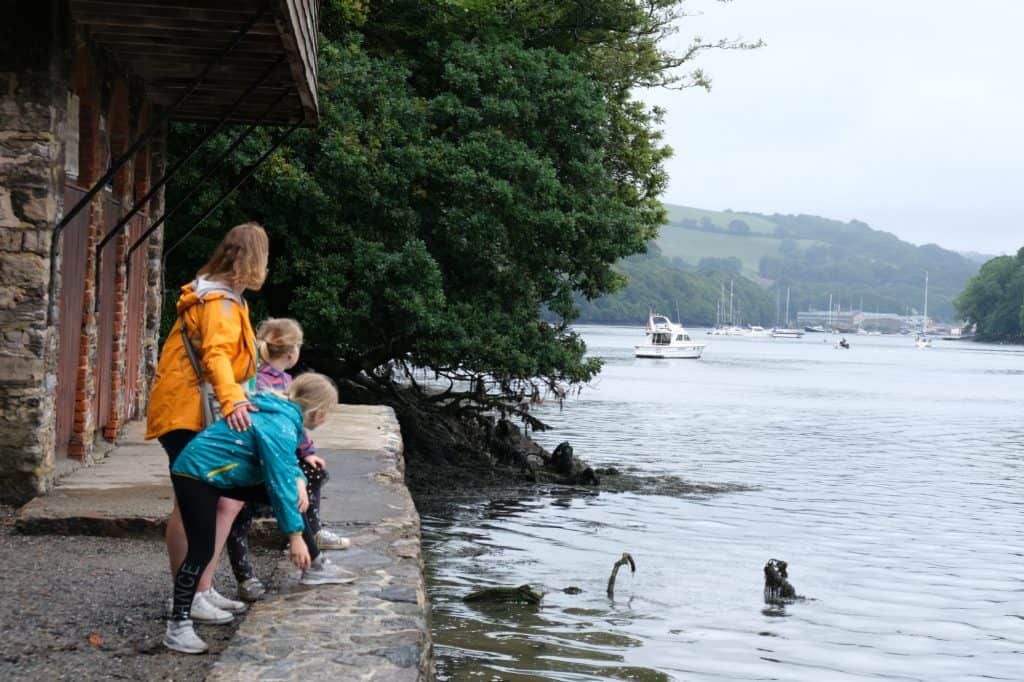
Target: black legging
197 502
238 539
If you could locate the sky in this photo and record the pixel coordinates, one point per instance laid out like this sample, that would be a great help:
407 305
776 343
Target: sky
905 114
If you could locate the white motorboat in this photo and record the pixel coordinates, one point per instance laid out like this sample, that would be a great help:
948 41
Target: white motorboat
922 341
667 340
755 330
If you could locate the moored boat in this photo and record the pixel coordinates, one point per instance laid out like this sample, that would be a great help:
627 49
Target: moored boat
667 340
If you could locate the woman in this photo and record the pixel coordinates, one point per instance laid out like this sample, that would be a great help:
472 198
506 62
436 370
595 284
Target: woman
216 320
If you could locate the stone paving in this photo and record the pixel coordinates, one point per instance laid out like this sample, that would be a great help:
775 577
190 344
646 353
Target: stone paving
373 629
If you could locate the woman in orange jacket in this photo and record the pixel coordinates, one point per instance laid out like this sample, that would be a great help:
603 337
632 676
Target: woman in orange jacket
216 319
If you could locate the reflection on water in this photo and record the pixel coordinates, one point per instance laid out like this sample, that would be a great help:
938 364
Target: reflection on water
888 477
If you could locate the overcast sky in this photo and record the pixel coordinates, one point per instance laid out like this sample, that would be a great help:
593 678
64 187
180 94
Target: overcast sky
906 114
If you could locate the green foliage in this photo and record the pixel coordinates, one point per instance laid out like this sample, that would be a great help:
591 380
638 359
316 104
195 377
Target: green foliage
814 257
660 285
994 299
817 256
477 163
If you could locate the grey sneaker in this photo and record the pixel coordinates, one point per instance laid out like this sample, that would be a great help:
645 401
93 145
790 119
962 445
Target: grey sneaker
325 539
251 589
223 603
324 572
181 636
205 612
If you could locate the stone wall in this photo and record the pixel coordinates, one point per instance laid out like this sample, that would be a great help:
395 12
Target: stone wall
48 69
33 100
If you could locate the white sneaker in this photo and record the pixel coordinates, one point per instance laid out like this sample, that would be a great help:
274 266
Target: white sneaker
223 603
181 636
205 612
251 589
324 572
326 539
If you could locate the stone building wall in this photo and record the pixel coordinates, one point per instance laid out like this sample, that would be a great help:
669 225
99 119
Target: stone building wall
56 94
33 83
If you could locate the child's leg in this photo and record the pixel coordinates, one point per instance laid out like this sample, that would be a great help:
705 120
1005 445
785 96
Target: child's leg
227 510
197 502
314 483
258 495
238 545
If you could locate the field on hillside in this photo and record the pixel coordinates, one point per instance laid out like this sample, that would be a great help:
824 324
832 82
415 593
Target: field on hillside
692 245
721 219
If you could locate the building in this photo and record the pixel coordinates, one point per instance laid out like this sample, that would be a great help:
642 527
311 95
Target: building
849 319
87 88
889 323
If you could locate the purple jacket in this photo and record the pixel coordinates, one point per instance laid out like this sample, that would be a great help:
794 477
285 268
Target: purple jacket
270 378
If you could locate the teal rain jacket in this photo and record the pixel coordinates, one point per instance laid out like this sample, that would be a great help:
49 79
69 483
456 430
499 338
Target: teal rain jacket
263 454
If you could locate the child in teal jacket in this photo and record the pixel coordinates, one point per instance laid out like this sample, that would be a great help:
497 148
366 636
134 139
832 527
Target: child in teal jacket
255 465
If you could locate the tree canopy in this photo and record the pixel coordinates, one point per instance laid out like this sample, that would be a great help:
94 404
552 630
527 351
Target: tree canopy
994 299
478 164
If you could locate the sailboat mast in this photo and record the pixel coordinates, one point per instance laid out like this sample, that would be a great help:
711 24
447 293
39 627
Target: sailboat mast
730 304
924 320
830 312
787 307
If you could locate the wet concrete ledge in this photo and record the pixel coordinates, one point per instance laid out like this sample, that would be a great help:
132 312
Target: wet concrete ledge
374 629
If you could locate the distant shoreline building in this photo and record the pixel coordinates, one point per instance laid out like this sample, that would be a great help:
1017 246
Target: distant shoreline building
888 323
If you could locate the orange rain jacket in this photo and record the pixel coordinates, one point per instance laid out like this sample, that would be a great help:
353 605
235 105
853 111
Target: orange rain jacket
218 324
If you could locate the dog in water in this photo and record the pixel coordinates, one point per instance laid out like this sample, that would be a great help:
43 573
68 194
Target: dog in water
776 582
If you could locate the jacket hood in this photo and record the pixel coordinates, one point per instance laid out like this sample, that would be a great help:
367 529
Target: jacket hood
268 402
203 289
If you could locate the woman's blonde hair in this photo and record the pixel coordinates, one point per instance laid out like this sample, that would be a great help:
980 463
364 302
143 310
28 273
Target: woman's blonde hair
241 257
313 392
276 336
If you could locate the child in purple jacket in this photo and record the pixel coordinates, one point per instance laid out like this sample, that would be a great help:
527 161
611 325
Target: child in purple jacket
279 341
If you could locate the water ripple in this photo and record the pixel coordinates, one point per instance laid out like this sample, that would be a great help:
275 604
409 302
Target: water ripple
888 477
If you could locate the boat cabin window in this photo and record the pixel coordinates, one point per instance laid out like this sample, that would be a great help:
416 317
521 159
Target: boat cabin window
682 337
661 339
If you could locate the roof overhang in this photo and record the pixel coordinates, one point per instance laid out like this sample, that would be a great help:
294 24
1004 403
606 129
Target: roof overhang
168 44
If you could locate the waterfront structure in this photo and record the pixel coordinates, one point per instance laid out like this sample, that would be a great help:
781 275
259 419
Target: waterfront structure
830 319
86 91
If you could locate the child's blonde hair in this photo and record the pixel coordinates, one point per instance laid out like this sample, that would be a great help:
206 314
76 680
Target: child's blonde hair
313 392
276 336
241 257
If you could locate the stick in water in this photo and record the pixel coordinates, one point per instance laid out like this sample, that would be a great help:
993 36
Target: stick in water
626 559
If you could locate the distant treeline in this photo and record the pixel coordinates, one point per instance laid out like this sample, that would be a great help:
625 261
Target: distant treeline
813 257
994 299
684 293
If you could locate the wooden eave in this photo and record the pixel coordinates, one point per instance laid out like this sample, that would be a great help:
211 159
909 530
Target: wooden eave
167 44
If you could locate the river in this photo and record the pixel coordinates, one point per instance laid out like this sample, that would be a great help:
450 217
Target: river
889 477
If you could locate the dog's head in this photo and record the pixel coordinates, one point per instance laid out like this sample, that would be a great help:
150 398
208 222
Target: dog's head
776 582
775 572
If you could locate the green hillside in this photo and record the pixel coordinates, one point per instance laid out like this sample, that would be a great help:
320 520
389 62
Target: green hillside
720 219
813 257
691 246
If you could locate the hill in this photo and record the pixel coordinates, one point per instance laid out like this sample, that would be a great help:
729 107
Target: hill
814 257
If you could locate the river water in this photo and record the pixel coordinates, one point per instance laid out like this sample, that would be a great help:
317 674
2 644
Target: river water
889 477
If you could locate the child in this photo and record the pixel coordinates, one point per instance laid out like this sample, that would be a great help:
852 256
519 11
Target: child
279 342
255 465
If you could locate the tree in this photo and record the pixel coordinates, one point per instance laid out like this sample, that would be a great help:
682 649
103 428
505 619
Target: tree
994 299
737 226
477 163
